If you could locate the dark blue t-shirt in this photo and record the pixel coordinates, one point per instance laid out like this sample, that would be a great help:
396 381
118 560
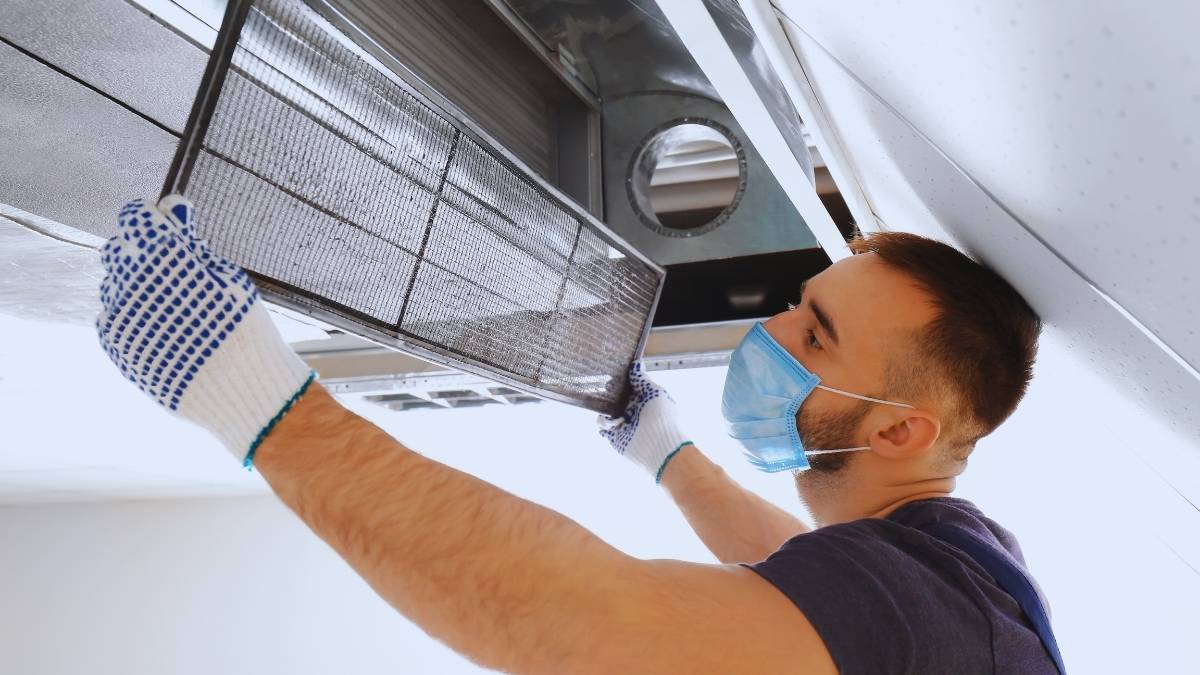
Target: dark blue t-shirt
886 597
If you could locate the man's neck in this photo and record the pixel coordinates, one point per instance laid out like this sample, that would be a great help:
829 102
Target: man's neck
837 499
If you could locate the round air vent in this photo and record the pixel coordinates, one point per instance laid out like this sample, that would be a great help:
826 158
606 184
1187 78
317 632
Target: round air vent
687 177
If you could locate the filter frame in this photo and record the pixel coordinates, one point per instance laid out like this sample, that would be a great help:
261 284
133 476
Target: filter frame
297 299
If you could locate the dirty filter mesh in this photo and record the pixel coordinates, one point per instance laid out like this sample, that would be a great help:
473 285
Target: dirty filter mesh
348 193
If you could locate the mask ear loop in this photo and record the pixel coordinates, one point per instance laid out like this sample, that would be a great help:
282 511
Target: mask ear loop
864 398
830 452
858 396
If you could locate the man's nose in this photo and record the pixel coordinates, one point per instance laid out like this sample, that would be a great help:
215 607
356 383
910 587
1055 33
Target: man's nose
776 327
773 323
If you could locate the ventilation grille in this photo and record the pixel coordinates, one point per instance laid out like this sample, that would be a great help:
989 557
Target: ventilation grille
453 398
353 196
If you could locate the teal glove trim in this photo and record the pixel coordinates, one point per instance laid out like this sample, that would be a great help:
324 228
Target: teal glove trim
661 469
262 435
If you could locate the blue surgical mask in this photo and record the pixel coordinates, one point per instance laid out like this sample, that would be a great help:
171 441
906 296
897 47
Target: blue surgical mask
763 391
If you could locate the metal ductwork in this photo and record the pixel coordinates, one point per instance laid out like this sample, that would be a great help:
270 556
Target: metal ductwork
600 101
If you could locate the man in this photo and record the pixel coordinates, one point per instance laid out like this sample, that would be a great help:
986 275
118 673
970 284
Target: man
920 352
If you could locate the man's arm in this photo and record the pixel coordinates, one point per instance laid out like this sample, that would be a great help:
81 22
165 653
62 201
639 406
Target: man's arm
506 582
513 585
733 522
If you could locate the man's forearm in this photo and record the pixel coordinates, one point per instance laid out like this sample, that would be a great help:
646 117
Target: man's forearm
497 578
505 582
734 523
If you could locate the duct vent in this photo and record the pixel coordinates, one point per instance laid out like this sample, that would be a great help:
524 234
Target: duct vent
687 177
453 398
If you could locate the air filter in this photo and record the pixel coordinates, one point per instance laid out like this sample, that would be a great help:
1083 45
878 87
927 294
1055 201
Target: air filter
353 193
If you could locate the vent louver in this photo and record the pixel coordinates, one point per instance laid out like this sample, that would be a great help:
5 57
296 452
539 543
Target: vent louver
453 398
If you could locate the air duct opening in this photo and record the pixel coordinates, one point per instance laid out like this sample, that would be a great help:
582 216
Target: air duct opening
687 177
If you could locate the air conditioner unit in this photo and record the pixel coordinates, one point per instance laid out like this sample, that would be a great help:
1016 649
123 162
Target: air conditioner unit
600 102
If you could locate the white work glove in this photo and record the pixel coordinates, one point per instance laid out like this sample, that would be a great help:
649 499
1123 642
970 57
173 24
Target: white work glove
647 432
186 326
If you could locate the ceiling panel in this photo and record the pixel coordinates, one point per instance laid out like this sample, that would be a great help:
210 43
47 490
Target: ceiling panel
913 187
69 153
1079 118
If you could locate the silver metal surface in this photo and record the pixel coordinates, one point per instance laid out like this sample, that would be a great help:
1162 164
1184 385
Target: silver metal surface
49 272
402 76
463 255
466 53
350 365
645 77
557 58
580 173
828 151
471 395
711 50
742 41
650 199
113 46
763 222
58 142
127 73
617 47
204 103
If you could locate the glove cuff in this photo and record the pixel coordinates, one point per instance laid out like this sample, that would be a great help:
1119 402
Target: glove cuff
666 460
247 386
658 439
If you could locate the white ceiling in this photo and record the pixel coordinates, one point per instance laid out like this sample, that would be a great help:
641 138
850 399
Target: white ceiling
1057 141
73 427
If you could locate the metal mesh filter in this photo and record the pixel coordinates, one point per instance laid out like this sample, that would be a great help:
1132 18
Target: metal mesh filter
351 195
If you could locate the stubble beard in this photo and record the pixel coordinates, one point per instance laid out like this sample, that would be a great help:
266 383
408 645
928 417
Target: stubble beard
826 477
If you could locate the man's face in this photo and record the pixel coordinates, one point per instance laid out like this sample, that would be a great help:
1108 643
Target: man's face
845 326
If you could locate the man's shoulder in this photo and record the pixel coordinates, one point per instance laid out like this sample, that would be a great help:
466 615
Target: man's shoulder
930 599
925 514
896 560
907 524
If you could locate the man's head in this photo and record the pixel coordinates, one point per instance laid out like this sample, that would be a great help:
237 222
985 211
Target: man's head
911 320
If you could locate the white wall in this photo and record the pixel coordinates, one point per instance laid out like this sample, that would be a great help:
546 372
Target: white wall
238 585
191 587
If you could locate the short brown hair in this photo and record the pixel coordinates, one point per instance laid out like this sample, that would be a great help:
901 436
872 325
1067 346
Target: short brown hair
979 349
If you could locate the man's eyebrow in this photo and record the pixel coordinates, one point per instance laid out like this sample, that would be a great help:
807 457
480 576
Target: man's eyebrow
822 317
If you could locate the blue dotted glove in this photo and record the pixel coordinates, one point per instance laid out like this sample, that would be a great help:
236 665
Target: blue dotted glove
186 326
647 433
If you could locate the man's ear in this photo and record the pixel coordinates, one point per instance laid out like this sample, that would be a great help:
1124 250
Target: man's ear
908 433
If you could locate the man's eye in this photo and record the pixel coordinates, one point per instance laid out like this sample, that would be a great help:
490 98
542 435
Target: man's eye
813 341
